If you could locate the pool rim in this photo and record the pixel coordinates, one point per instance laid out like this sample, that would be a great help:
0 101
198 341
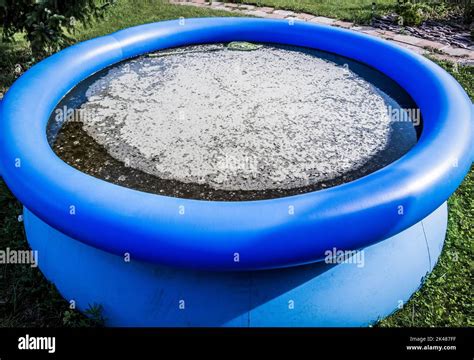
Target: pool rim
208 234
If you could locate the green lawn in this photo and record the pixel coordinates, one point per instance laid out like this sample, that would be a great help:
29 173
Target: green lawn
27 299
446 297
127 13
354 10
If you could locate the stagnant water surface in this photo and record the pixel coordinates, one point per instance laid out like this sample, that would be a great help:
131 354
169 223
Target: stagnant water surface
212 123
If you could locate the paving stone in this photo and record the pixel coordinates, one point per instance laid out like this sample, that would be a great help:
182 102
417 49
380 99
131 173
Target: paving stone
458 52
371 32
414 48
323 20
266 9
407 39
257 13
362 28
222 7
285 13
431 44
304 17
247 7
379 32
276 16
192 4
343 24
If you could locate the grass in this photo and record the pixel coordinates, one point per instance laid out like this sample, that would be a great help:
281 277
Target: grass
359 11
28 299
128 13
445 299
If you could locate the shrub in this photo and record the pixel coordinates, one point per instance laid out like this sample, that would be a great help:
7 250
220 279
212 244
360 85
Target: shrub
46 23
414 13
466 7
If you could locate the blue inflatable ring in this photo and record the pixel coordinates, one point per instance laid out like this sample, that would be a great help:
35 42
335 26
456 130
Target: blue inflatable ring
234 235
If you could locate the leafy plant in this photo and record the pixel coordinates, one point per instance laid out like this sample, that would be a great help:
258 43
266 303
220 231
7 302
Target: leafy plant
46 23
409 14
414 13
467 8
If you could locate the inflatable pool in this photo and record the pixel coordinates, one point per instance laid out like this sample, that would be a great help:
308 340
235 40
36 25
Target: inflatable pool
154 260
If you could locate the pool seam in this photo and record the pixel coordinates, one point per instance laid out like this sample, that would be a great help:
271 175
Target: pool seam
427 245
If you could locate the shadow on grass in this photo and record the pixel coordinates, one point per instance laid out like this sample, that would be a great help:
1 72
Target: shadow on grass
11 55
27 299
